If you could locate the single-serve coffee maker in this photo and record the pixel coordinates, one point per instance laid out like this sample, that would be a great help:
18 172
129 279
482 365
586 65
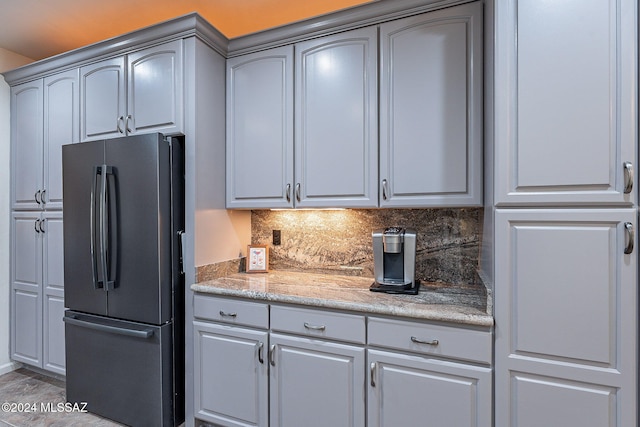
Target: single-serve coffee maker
394 261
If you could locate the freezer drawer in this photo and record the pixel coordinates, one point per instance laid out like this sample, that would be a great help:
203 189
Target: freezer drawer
122 370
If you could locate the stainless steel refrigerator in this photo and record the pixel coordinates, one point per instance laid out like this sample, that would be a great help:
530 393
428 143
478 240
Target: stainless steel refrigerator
123 287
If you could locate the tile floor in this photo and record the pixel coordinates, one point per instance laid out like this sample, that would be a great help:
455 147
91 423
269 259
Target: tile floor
24 386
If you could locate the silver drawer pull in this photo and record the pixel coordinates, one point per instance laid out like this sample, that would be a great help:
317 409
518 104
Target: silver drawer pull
225 314
260 356
314 327
628 248
372 372
628 177
419 341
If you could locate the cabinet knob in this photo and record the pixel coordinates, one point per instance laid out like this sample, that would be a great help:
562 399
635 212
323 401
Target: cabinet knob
372 373
260 356
36 196
42 198
36 225
272 351
298 192
288 193
129 119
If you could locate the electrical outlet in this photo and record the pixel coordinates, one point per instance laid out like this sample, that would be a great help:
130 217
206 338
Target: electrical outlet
276 237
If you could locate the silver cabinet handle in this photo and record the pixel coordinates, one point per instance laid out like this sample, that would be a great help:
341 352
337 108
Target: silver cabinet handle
419 341
225 314
36 196
260 356
384 189
36 225
41 225
298 192
372 372
314 327
127 120
630 237
288 193
42 199
628 177
272 351
118 121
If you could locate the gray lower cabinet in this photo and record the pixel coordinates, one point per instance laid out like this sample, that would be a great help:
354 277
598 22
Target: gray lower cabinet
331 368
141 92
37 303
230 366
425 374
316 373
566 305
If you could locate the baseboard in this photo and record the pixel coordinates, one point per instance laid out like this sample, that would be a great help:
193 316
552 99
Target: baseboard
8 367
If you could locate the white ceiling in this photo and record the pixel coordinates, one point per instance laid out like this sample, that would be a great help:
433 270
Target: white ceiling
41 28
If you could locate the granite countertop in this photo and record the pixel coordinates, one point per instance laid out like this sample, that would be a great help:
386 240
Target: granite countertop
436 301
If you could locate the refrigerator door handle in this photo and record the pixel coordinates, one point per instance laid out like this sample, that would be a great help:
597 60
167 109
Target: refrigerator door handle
104 228
145 333
97 284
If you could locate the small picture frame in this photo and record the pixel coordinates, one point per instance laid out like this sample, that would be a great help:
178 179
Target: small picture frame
257 258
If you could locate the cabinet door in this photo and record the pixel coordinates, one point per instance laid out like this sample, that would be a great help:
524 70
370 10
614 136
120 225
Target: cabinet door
315 383
336 140
155 90
566 317
61 126
102 99
230 374
53 293
407 390
26 145
431 109
565 102
26 288
260 130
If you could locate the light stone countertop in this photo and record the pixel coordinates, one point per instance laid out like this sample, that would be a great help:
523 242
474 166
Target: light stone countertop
436 301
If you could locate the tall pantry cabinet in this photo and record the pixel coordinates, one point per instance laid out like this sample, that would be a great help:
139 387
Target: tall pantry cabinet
566 298
44 117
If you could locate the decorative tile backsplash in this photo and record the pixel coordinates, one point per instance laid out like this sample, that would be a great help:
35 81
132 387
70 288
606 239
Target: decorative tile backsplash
339 241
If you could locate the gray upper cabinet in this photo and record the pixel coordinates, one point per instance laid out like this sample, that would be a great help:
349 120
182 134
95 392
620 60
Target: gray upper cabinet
260 130
26 144
566 102
431 109
61 126
44 117
336 136
138 93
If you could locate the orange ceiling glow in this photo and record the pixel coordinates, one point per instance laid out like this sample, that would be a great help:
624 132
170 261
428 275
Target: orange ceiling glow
42 28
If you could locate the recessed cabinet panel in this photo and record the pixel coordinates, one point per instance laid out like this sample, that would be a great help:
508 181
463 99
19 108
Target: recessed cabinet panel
102 99
26 144
550 401
336 120
154 90
566 103
53 332
53 255
26 253
316 383
27 327
431 109
566 314
231 386
61 126
414 391
260 129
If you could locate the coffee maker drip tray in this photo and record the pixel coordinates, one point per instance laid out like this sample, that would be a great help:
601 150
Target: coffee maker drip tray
410 289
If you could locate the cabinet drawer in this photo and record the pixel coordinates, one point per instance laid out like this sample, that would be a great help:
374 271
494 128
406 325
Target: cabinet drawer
437 340
231 311
321 324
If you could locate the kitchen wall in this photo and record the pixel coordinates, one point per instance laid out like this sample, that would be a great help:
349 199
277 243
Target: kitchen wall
8 60
339 241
